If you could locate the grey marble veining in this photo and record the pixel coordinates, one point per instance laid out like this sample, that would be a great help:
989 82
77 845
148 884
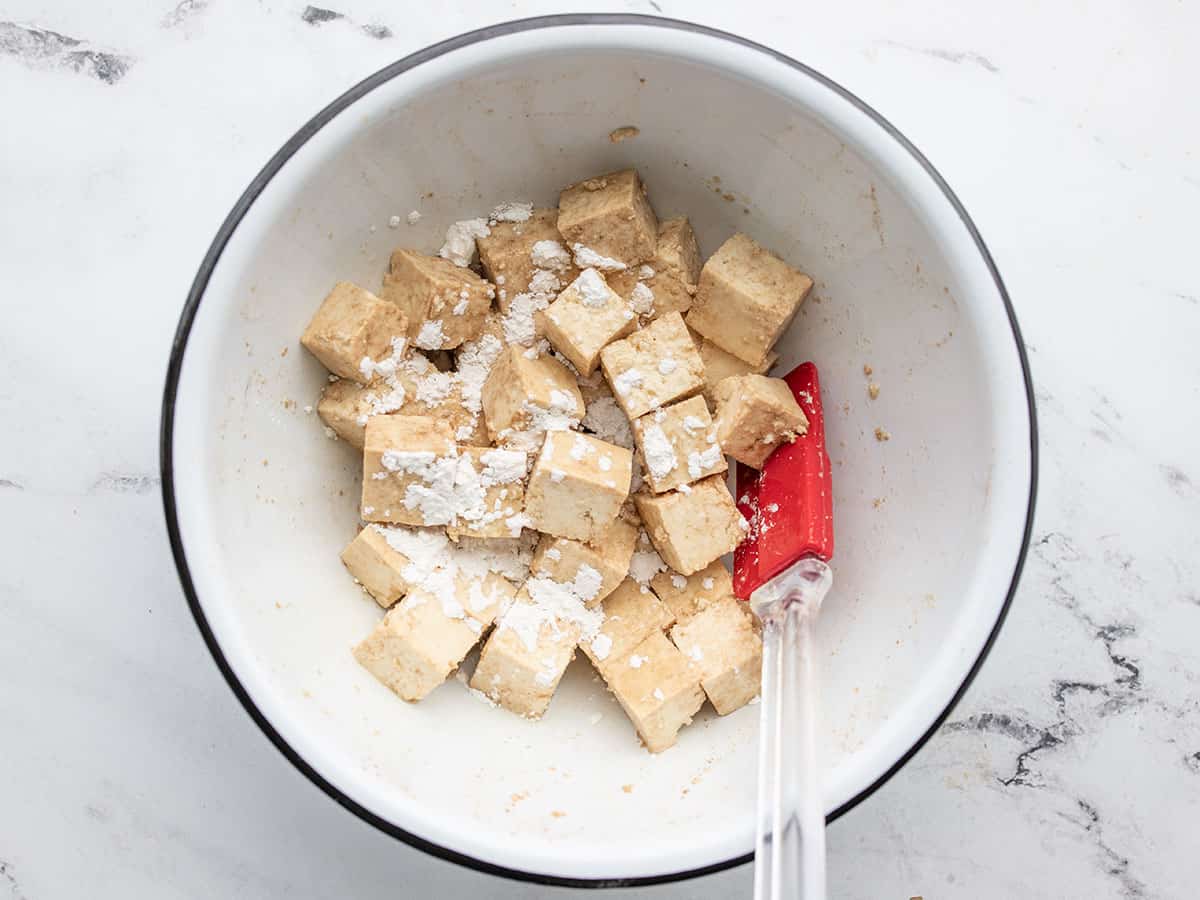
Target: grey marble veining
1072 767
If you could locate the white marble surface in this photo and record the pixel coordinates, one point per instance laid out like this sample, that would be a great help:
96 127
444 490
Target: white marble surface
1072 768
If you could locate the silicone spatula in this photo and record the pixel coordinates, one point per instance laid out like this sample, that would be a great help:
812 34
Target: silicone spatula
781 568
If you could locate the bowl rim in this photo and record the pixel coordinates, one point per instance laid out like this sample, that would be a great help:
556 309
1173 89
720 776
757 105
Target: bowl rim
200 284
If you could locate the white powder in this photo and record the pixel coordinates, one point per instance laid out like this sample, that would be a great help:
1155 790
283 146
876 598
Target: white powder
644 565
602 646
605 463
586 257
555 604
475 359
512 211
460 241
658 452
635 661
642 300
407 462
595 718
554 553
546 675
460 307
518 322
430 337
627 381
581 447
684 488
434 387
645 272
557 475
413 217
394 222
667 365
591 289
500 279
707 584
679 582
550 255
563 402
696 653
773 507
658 694
605 419
503 467
386 367
442 569
693 425
308 409
699 463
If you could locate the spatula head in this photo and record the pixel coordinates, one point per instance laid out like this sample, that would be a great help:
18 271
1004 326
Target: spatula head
789 503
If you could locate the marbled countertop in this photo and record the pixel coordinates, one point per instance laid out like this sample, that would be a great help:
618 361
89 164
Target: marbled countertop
1071 132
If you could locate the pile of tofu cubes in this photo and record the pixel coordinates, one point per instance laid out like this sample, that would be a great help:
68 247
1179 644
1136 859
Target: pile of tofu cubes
544 410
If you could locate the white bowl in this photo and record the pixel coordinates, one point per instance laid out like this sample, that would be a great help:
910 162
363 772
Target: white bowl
932 525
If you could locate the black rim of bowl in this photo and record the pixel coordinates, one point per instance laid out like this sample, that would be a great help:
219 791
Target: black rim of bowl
200 283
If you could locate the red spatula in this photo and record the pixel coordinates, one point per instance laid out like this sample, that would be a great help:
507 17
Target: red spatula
781 569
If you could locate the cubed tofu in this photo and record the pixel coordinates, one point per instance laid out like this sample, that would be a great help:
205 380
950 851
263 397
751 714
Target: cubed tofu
492 481
524 394
609 554
577 485
631 614
524 658
422 639
686 595
678 444
746 298
409 464
756 414
609 215
690 530
377 566
586 317
345 407
668 279
653 367
353 325
445 304
725 649
508 257
719 365
660 694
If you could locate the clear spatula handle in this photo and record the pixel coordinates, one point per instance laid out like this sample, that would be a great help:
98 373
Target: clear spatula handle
789 851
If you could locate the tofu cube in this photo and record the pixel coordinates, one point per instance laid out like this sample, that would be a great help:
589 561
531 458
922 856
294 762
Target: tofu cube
508 256
609 215
756 414
746 298
422 639
660 694
678 444
686 595
345 407
668 279
631 615
352 325
494 481
409 465
524 658
609 554
445 304
523 394
725 649
719 365
690 530
653 367
377 566
586 317
577 486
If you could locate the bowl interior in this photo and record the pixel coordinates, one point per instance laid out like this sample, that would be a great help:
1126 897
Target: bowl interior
929 523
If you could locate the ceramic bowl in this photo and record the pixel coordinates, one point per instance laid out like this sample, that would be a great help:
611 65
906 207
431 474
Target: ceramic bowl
932 524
